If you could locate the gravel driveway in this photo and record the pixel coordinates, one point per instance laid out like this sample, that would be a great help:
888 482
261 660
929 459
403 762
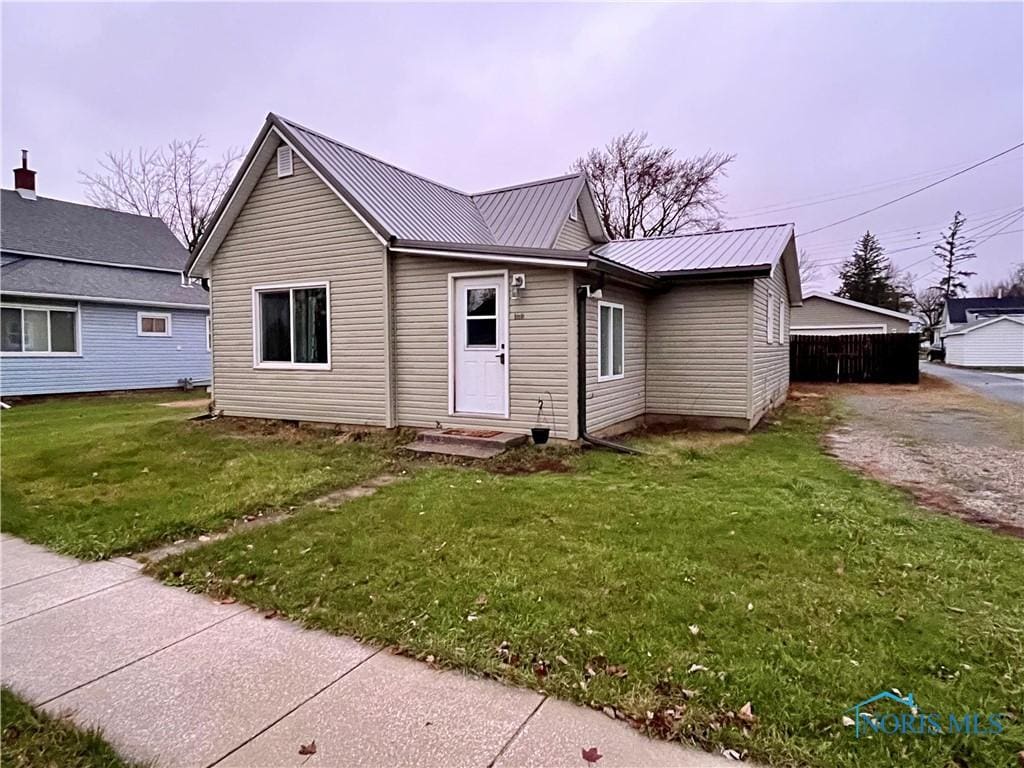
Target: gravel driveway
955 450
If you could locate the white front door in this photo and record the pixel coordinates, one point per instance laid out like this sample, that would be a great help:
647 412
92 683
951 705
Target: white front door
480 360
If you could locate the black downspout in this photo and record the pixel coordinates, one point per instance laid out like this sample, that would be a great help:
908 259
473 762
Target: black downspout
581 378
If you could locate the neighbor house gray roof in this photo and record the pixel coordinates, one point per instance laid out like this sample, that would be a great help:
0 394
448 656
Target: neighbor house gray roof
58 228
409 207
51 277
736 249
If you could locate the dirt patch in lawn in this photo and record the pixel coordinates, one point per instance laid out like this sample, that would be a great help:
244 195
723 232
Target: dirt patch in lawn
955 451
196 404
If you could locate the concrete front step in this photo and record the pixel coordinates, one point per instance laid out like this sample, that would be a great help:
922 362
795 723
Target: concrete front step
472 443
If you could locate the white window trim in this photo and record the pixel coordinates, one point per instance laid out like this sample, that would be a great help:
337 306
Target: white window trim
782 321
770 309
209 334
600 346
166 317
259 364
47 308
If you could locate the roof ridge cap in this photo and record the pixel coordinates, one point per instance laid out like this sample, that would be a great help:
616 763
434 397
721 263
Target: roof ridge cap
526 184
366 154
702 234
87 205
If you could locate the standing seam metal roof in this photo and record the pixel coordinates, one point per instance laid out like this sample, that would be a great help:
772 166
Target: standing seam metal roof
411 207
736 248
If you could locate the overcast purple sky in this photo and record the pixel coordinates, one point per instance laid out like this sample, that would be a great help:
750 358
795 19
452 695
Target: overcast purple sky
816 101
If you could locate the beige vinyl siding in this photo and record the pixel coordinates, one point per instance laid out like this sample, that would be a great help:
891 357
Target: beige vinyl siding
574 235
540 357
698 355
295 229
616 400
770 379
822 312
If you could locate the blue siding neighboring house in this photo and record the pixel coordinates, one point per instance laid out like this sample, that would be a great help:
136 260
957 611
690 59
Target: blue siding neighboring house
94 300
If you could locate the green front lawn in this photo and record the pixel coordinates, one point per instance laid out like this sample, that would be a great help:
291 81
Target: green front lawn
35 740
99 476
675 587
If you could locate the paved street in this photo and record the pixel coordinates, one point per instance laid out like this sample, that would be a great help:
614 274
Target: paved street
180 680
1008 387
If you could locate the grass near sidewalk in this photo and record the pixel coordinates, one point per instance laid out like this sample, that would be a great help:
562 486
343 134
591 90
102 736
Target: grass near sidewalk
99 476
32 739
675 587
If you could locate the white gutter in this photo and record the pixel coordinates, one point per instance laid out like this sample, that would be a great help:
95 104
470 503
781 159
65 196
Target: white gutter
105 300
76 260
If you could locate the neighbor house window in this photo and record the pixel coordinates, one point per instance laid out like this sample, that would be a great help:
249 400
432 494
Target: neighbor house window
611 341
292 326
154 323
34 330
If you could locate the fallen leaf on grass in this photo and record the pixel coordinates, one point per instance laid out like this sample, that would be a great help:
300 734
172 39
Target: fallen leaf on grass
694 629
481 599
308 749
732 754
746 714
574 632
848 721
697 668
591 755
561 659
616 670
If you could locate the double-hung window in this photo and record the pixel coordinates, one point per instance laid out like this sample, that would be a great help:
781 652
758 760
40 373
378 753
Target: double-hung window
770 312
38 330
292 326
610 341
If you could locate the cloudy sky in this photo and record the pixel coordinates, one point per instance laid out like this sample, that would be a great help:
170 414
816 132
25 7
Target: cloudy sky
830 109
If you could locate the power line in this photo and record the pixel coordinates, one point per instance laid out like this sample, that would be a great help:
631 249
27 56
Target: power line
980 228
830 197
914 192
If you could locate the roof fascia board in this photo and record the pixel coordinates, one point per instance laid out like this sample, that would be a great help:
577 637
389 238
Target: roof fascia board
860 305
964 331
96 262
498 250
748 272
231 203
106 300
479 256
376 228
591 217
791 271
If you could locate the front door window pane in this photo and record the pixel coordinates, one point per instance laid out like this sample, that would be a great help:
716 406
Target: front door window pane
275 327
11 322
62 331
36 338
310 325
481 332
481 302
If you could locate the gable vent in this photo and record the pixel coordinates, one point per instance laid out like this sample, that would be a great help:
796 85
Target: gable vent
284 161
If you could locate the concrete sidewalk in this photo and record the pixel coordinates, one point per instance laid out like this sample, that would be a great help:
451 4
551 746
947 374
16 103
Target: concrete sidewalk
177 679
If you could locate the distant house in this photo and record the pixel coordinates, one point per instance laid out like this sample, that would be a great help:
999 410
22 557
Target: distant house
345 289
825 315
984 332
93 299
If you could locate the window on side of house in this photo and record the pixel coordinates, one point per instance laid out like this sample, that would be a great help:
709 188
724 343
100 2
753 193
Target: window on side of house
610 341
35 330
770 310
292 327
154 323
782 321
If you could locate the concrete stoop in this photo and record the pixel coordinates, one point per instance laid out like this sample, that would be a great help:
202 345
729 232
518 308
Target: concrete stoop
470 443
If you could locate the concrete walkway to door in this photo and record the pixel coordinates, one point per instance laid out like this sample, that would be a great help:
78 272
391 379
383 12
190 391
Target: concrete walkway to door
176 679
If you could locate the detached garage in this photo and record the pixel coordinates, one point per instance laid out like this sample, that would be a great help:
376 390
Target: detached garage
825 315
995 342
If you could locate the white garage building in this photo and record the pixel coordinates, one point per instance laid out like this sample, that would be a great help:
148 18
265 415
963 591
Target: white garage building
994 342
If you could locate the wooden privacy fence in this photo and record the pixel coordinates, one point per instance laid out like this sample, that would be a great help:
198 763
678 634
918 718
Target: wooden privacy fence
889 358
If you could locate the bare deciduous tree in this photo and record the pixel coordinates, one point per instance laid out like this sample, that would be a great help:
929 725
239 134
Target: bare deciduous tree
929 303
1011 285
177 183
810 270
644 191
